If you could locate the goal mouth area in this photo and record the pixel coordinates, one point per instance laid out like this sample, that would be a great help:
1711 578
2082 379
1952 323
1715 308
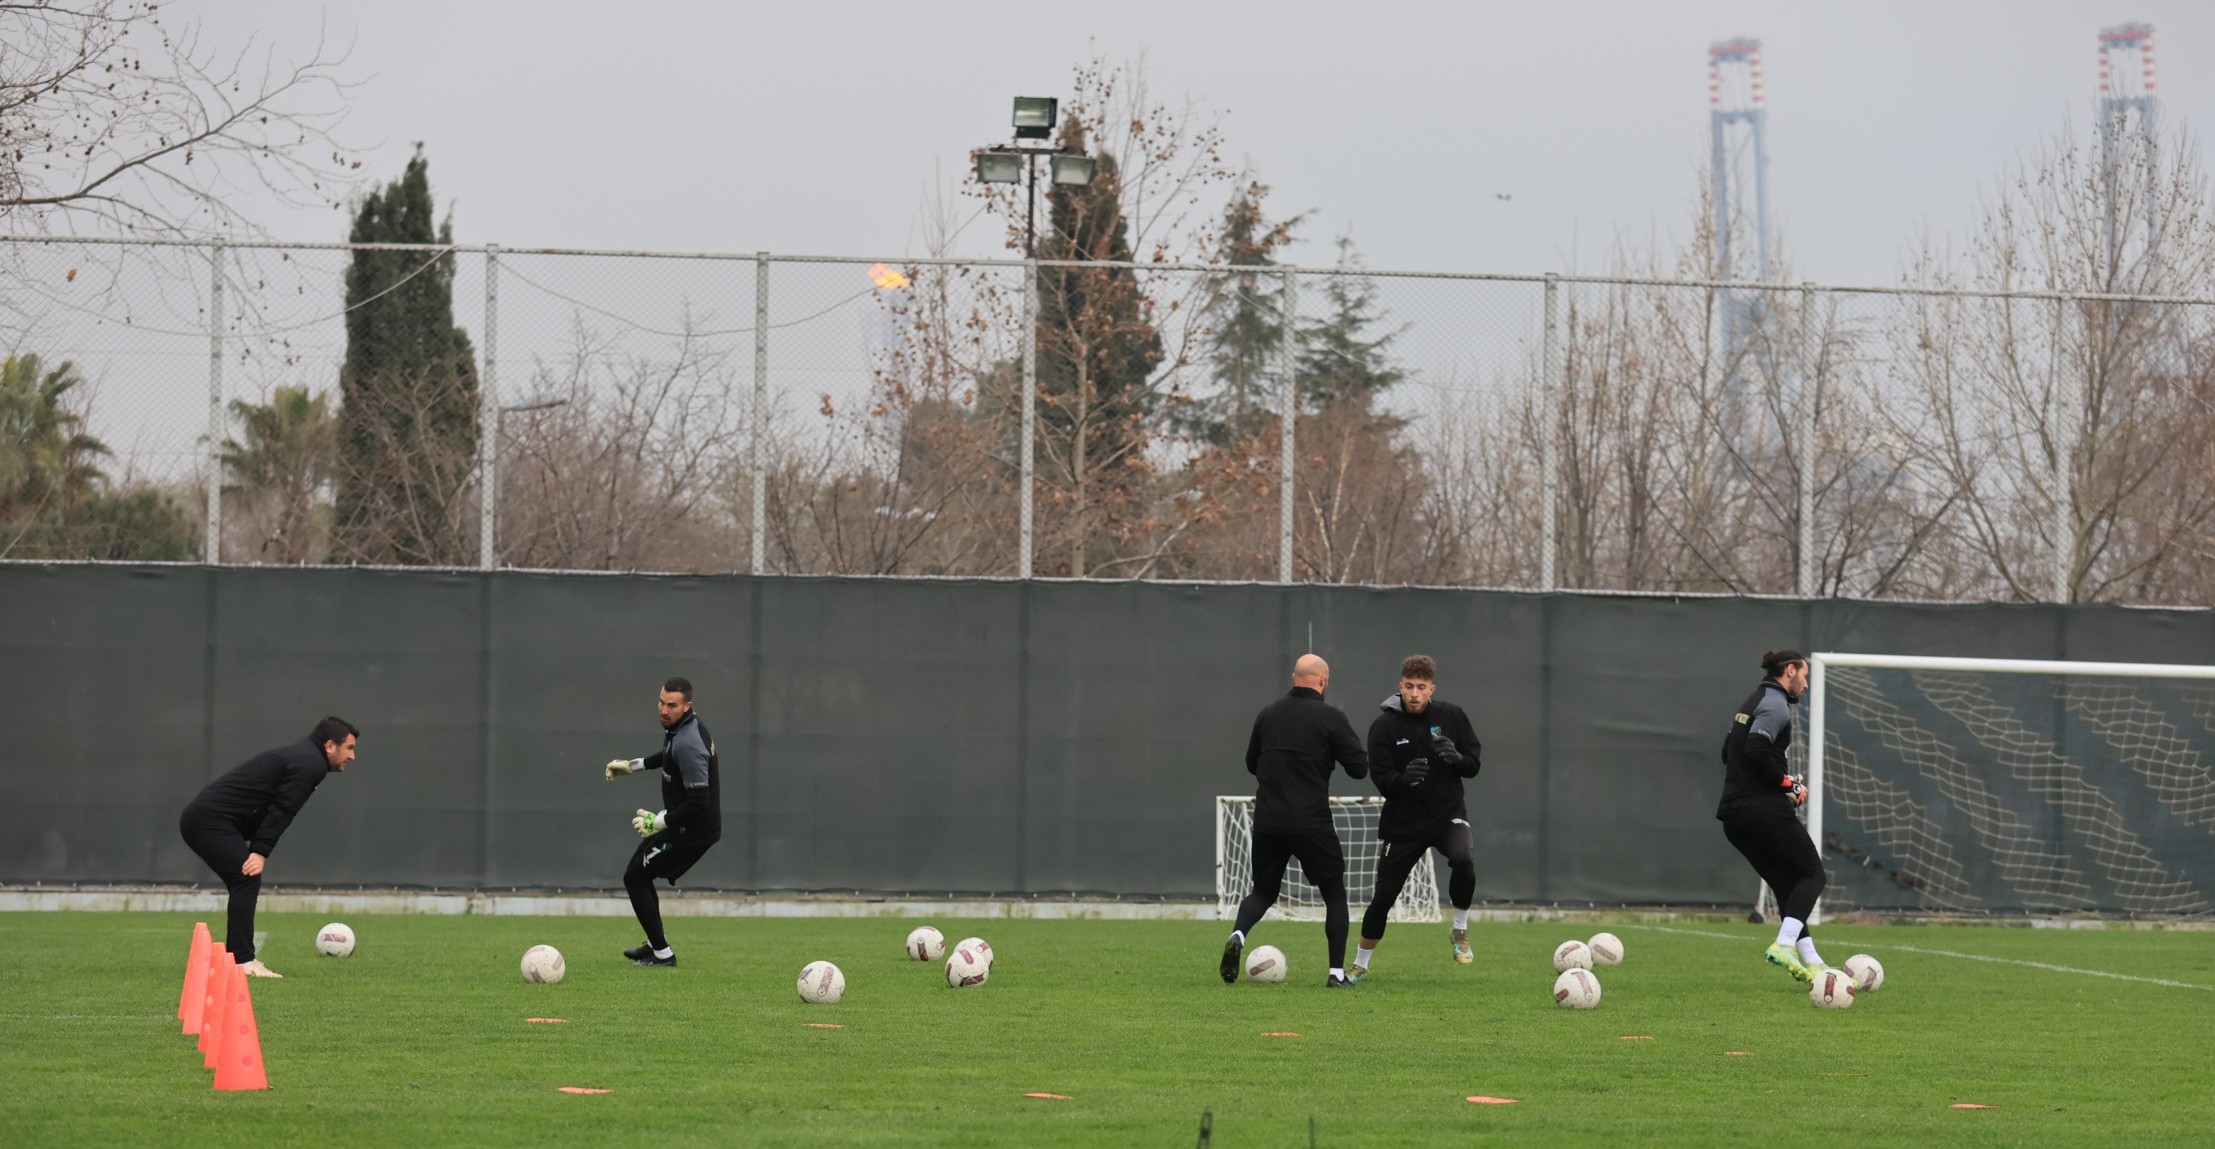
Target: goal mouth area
1355 818
2019 788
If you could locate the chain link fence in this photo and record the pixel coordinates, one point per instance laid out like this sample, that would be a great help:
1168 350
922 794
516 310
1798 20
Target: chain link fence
481 406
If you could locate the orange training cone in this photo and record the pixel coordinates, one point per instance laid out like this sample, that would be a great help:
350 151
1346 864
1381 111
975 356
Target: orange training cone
211 1028
239 1066
208 986
194 998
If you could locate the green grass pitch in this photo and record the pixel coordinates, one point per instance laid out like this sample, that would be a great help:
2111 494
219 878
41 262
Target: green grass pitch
419 1039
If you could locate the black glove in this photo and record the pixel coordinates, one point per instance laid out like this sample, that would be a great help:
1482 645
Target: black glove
1443 747
1416 771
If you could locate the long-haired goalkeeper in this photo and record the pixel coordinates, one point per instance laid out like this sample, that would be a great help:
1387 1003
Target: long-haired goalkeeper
1760 796
689 822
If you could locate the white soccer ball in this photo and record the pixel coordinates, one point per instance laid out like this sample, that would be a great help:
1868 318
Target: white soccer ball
926 944
1572 954
543 964
977 946
1832 989
1265 963
335 940
821 983
1577 988
1867 972
967 965
1607 949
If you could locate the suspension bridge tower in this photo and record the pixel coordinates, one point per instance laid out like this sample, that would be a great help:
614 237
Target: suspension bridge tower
1739 183
2130 122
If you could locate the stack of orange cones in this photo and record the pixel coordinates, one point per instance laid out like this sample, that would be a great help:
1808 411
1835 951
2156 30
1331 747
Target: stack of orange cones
194 1001
217 1005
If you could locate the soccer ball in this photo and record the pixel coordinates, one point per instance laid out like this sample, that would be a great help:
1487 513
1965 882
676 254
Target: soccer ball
1832 989
821 983
1577 988
926 944
1572 954
1867 972
335 940
1607 949
967 965
977 946
1266 963
543 964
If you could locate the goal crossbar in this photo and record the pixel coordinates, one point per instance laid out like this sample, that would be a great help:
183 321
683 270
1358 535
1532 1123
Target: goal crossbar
1818 696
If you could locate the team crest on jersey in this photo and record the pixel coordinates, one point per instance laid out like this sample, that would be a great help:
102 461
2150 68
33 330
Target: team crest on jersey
1741 720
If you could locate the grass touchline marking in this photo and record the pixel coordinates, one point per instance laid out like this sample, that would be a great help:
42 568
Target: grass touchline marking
1958 954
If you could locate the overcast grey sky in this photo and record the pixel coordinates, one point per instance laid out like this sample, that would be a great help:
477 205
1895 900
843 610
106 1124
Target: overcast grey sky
820 128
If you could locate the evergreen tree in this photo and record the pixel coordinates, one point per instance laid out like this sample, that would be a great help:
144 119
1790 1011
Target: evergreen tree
407 423
280 466
1245 320
1097 350
1342 356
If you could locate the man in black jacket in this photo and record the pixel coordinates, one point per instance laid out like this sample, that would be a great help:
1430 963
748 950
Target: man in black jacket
235 821
1295 741
691 818
1757 811
1420 748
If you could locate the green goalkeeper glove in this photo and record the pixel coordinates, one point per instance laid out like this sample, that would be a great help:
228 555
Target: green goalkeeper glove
648 823
621 766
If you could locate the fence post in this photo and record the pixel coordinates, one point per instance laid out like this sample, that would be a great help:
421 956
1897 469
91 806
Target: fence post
1027 464
488 418
1288 417
1811 369
1548 466
2068 400
213 545
758 546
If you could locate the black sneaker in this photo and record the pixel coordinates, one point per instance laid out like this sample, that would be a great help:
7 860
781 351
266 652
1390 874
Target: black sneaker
1231 950
639 953
650 960
1333 981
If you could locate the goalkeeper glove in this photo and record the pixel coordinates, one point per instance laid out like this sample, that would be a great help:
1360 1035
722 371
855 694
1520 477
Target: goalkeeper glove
621 766
648 823
1416 771
1443 747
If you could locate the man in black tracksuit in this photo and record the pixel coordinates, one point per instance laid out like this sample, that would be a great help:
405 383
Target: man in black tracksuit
1295 741
1757 810
690 821
235 821
1420 748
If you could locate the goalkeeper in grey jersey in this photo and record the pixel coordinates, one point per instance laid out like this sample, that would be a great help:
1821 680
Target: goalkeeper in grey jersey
690 821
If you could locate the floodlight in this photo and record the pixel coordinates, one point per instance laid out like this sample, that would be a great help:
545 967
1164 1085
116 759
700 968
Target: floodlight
999 168
1072 171
1035 116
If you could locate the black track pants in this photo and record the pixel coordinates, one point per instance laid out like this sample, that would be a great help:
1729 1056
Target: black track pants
1400 860
1777 846
1323 860
222 845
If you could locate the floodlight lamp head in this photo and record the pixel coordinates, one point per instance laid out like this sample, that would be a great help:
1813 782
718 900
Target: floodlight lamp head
1035 116
999 168
1072 171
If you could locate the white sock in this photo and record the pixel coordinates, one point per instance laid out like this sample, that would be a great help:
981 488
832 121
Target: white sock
1338 973
1362 954
1239 936
1461 919
665 952
1807 952
1789 932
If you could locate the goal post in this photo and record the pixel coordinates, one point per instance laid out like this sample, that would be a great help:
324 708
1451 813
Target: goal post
1998 786
1355 819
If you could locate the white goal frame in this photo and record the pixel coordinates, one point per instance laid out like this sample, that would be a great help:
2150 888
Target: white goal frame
1354 819
1818 696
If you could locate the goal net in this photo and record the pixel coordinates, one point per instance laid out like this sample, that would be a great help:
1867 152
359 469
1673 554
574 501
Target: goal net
2011 786
1356 822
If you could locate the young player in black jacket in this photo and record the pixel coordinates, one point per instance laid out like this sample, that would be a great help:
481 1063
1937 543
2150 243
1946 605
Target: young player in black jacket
1759 797
1295 741
1420 749
235 821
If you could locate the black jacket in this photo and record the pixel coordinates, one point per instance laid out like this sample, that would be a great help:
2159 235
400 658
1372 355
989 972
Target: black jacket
1295 740
1396 738
1755 771
263 794
691 783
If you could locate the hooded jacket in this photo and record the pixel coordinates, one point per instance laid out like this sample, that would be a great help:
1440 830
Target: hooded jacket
1416 813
